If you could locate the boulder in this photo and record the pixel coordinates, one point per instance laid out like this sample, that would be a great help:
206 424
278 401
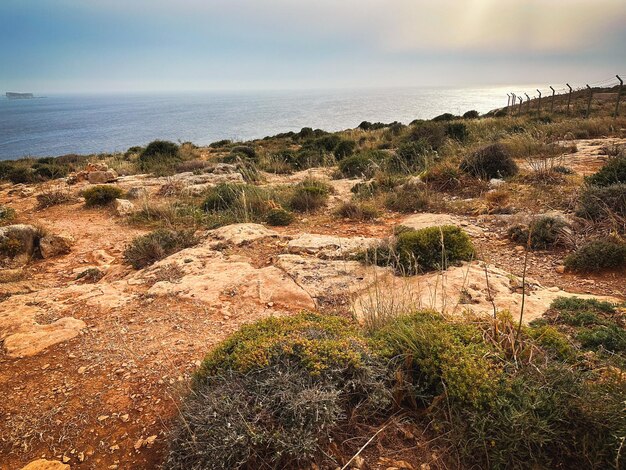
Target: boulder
55 245
124 207
137 192
328 246
43 464
241 234
101 177
424 220
19 239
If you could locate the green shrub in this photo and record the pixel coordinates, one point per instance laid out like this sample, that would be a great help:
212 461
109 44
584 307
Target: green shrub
432 133
614 172
148 249
241 202
596 256
542 233
247 153
160 148
309 195
599 202
53 197
432 248
492 161
220 143
362 164
6 213
344 149
457 131
49 171
553 341
20 175
408 198
471 115
434 356
326 143
413 156
442 176
610 337
101 195
272 394
445 117
279 217
356 211
160 157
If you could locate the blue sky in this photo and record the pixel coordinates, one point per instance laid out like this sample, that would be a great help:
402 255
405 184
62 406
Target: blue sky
149 45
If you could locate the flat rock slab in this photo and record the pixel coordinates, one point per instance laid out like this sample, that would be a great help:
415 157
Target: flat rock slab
424 220
225 284
323 278
23 336
458 290
43 464
328 246
241 234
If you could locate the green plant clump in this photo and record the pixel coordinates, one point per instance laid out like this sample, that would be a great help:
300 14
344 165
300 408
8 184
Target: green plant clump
543 232
492 161
272 394
148 249
408 198
279 217
597 255
309 195
614 172
601 202
101 195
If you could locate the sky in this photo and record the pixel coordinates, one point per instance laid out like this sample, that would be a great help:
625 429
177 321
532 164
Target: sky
189 45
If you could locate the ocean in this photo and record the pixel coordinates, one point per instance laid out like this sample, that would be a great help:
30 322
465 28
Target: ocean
60 124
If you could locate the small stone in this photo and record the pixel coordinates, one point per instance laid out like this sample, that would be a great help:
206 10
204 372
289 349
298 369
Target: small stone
560 269
102 418
82 370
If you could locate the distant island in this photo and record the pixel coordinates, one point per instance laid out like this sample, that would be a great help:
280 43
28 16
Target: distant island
19 96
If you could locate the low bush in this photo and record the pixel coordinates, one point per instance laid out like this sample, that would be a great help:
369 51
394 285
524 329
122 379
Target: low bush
542 232
418 251
492 161
442 176
160 157
53 197
148 249
602 202
272 395
408 198
344 149
309 195
243 202
412 156
356 211
457 131
245 152
597 255
472 114
613 172
6 214
101 195
279 217
363 164
432 133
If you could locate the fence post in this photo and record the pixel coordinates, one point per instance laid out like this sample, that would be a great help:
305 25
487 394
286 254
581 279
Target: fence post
569 97
520 105
552 102
508 102
589 101
539 105
619 95
527 103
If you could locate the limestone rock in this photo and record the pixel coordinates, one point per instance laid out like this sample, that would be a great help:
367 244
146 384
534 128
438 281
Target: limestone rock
137 192
43 464
23 236
101 176
328 246
23 336
208 276
458 290
240 234
55 245
322 278
424 220
124 207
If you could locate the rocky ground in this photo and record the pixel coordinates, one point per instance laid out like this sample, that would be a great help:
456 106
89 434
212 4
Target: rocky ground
91 372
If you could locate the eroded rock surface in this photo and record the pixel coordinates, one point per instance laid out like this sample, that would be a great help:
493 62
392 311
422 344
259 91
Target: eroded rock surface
43 464
240 234
328 246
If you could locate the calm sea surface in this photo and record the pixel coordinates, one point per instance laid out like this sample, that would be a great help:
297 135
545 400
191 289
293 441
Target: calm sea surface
61 124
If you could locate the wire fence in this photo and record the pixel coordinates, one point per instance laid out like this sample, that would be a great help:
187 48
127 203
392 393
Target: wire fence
567 98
